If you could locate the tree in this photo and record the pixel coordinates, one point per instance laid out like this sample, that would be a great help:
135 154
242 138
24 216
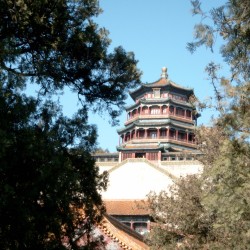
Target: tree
57 44
224 192
227 173
50 187
180 216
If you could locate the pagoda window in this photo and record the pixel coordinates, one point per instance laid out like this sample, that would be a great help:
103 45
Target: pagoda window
191 138
153 135
145 110
127 137
188 114
180 112
155 110
140 155
163 133
172 133
133 134
141 133
164 109
181 136
171 110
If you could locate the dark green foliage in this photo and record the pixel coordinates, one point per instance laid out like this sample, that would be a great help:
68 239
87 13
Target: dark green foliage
50 187
57 44
215 213
180 216
41 179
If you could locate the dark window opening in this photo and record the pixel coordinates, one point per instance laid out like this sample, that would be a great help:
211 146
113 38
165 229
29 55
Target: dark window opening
140 155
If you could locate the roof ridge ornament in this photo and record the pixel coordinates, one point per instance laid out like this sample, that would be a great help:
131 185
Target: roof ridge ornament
164 73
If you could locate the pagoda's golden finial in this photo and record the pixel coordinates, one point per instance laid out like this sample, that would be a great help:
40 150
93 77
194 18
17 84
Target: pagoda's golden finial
164 73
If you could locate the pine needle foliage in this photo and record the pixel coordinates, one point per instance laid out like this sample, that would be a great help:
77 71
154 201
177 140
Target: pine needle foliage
50 186
222 190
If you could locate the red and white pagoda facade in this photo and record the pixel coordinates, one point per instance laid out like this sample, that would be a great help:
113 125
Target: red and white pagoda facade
157 146
160 124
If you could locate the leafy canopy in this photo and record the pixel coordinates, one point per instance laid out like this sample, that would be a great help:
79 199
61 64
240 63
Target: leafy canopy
57 44
214 212
50 186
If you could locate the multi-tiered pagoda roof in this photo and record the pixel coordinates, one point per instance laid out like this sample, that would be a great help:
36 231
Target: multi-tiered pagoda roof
162 120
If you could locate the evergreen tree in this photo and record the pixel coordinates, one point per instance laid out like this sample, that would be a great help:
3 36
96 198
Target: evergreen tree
50 187
224 190
180 217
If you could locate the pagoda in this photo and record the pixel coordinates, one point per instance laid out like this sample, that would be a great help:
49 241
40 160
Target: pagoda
160 124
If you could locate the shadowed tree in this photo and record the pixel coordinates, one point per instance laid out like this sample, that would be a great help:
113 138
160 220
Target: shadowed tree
224 189
50 187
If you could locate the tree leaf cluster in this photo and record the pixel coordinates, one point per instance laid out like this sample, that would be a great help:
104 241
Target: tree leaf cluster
42 179
50 186
211 210
58 44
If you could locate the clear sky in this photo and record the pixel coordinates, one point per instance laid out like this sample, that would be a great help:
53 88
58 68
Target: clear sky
157 31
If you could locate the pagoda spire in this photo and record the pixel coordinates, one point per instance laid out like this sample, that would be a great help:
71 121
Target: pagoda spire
164 73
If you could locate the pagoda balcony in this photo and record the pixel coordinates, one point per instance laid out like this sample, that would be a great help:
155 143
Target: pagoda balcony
162 139
159 116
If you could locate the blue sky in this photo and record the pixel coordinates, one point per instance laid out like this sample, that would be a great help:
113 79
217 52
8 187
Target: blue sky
157 32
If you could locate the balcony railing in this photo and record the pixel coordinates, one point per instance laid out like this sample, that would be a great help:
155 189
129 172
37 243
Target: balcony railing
160 139
152 116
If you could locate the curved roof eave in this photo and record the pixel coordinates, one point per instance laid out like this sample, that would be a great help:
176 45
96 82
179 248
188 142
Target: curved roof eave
161 123
156 101
162 82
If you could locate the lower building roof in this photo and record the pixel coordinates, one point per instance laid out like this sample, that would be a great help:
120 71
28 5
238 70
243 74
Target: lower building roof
126 207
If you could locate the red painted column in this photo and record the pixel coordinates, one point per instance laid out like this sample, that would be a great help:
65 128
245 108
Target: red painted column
187 136
167 133
168 109
158 133
174 111
132 225
185 114
159 155
145 133
176 134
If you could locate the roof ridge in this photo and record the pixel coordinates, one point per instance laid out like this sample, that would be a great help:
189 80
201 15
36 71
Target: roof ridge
161 169
111 221
146 161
